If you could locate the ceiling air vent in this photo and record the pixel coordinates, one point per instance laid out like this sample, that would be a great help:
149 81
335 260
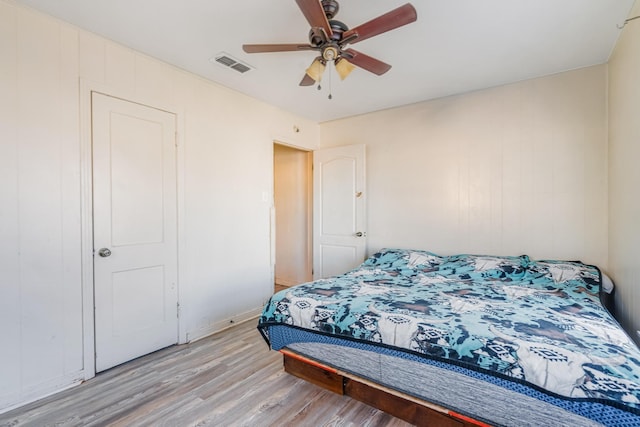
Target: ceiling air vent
228 61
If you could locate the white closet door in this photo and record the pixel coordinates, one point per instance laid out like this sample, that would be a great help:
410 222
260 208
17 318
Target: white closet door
135 230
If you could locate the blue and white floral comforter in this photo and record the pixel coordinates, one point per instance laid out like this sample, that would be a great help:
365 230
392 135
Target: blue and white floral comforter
536 322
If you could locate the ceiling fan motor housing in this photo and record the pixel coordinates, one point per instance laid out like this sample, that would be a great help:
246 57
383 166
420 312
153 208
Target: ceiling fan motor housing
331 8
337 28
318 39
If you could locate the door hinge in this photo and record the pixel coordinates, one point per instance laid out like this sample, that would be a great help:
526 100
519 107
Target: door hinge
175 140
178 310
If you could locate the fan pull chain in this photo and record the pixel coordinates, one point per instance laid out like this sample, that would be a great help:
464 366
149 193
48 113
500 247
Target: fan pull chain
330 96
319 87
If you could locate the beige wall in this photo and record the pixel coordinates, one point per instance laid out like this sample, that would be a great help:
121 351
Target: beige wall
292 200
225 159
624 173
515 169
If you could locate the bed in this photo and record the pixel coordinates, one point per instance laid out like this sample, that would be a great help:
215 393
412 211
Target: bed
462 340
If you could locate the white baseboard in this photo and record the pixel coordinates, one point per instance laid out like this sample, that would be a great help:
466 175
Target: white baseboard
224 324
40 391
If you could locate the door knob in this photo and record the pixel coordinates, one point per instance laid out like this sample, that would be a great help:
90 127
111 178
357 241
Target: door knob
104 252
359 234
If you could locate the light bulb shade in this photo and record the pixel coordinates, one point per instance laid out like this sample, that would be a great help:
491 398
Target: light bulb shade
344 68
316 69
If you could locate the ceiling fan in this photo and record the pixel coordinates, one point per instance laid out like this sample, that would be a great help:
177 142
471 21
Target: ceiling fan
330 38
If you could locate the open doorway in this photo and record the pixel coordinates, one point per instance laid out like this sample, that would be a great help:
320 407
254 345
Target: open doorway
292 194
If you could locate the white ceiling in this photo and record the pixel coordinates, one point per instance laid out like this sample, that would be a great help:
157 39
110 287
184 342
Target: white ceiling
455 46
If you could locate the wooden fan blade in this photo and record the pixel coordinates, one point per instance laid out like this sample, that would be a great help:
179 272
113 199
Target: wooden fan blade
307 81
265 48
396 18
366 62
313 11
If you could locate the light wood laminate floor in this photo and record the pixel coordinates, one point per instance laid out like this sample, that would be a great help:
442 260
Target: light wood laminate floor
228 379
278 288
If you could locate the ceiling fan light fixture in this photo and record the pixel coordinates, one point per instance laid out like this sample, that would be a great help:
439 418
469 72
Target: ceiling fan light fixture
329 53
331 37
344 68
316 69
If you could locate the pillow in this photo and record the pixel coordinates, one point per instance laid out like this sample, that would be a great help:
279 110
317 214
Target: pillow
387 258
500 268
401 259
570 276
607 283
419 259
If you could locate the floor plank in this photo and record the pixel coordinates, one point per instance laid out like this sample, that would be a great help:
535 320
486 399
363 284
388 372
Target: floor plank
228 379
278 288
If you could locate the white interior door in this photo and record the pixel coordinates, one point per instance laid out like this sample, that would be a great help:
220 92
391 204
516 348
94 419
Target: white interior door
135 230
339 203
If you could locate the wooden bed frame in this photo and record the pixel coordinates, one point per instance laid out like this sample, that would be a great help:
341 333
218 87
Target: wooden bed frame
400 405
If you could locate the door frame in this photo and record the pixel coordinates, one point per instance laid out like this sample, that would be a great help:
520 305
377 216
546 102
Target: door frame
309 193
86 216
